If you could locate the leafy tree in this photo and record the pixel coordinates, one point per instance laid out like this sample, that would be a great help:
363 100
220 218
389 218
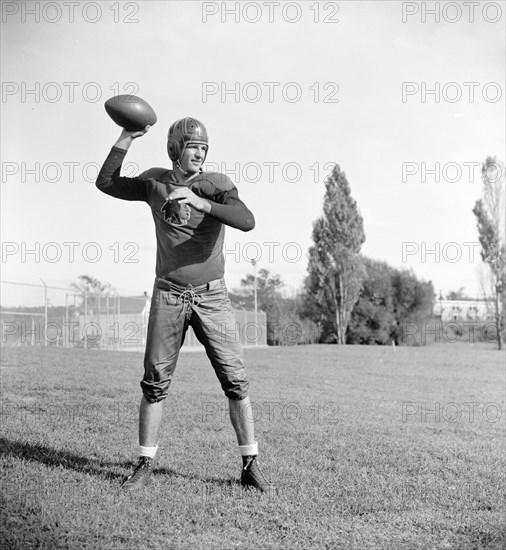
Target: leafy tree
490 213
389 299
459 294
372 319
91 291
413 302
268 292
284 325
268 288
268 298
309 309
335 269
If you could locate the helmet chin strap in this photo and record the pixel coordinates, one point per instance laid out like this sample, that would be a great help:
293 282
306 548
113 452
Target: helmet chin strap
180 168
185 174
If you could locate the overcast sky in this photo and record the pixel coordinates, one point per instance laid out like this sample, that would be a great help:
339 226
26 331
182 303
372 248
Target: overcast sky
285 90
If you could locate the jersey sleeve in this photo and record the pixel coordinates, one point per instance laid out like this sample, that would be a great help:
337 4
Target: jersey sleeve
230 210
110 182
226 206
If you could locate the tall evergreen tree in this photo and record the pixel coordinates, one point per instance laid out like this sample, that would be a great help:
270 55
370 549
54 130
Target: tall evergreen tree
490 213
335 269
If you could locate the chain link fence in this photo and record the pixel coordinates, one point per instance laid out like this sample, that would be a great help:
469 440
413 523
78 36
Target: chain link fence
69 318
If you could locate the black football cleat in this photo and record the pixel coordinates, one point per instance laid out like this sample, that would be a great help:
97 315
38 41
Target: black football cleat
141 475
252 476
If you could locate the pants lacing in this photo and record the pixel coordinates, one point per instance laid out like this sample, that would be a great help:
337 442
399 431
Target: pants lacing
189 298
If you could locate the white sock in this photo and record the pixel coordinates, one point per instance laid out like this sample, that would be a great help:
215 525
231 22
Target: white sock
249 450
148 451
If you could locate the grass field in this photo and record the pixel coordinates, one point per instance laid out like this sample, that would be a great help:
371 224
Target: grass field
369 449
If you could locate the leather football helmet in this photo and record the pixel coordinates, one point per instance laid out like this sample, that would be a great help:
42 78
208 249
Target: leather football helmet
181 133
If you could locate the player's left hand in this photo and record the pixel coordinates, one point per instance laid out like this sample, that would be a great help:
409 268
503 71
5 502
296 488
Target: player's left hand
186 196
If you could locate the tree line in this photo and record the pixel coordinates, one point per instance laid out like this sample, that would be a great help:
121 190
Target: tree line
348 298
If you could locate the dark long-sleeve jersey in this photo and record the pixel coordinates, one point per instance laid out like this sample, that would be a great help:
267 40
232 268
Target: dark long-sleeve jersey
191 253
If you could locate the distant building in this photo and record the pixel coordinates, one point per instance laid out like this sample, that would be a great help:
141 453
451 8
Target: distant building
463 310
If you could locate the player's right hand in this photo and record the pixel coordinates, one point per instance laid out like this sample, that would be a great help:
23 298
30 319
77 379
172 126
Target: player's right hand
125 134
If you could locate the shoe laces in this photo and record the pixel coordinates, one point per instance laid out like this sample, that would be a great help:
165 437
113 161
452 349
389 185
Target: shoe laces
253 467
144 463
249 462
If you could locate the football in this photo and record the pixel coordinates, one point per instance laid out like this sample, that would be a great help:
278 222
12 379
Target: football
130 112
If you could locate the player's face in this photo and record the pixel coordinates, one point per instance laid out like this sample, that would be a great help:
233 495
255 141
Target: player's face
193 157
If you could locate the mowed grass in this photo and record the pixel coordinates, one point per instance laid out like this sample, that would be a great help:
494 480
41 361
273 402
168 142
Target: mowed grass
369 449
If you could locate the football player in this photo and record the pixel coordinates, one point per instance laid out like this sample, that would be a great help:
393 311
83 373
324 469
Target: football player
190 209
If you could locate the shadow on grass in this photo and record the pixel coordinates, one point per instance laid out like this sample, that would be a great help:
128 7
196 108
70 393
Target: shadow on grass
107 470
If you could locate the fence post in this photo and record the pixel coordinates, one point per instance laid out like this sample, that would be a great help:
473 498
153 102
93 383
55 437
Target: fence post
85 332
45 312
119 320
